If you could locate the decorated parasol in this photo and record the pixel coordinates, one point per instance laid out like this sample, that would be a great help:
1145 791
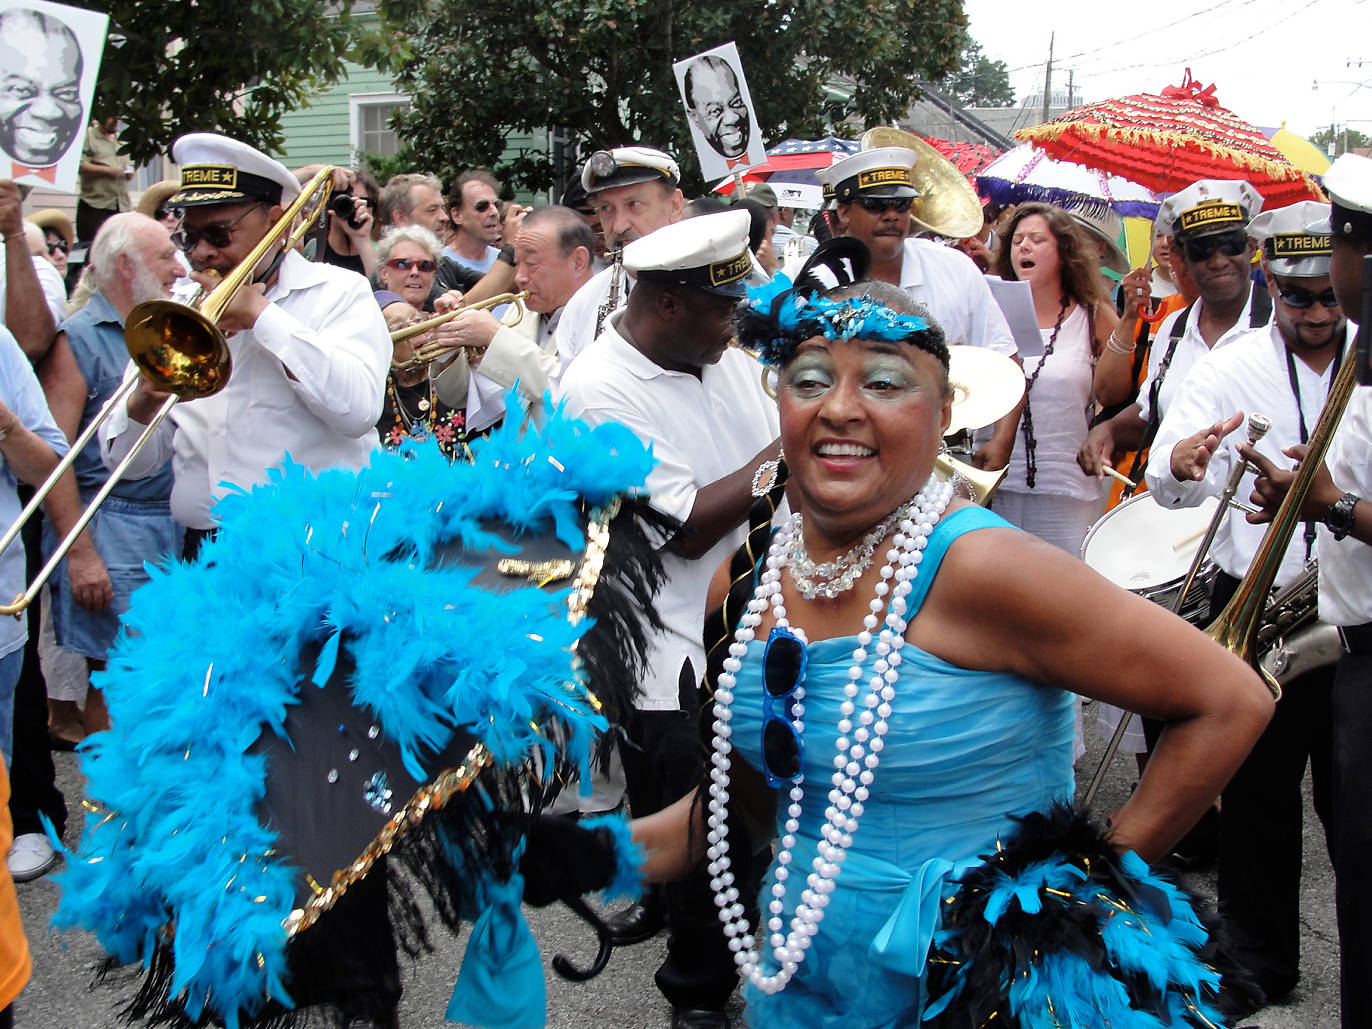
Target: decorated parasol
1027 174
968 158
1165 142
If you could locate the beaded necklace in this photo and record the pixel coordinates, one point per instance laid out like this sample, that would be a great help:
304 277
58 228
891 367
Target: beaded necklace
857 747
1027 421
446 425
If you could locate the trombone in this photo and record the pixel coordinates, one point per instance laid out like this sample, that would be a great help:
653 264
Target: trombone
426 352
182 351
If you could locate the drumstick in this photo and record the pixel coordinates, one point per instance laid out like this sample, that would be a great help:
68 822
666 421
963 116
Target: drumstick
1189 539
1118 477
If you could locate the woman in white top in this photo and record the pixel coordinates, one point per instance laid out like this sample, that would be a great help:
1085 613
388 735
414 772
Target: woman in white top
1046 492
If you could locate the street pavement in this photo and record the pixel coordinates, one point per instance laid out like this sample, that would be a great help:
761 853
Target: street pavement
62 993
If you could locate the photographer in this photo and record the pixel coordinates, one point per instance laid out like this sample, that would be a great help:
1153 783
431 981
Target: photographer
349 242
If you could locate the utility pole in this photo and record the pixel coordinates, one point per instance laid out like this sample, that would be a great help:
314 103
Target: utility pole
1072 88
1048 78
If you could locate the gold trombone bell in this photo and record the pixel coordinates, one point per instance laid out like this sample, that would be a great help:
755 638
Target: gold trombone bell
182 351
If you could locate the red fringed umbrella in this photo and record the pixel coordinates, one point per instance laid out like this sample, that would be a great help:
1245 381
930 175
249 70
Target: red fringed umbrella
1169 141
968 158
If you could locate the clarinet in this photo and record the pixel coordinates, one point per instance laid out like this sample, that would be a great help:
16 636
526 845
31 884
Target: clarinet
611 303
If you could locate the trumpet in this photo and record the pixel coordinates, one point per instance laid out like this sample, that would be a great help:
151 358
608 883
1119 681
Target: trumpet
182 351
426 352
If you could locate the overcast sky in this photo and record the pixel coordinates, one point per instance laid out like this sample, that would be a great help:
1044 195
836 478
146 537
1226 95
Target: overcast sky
1264 56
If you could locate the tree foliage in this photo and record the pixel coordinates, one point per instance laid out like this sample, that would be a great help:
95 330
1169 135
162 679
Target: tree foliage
600 71
1336 141
979 81
177 66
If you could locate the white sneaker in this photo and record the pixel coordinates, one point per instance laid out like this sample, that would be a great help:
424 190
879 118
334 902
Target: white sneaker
31 856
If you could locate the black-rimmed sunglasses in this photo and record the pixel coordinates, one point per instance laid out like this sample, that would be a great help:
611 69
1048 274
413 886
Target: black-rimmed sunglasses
1301 299
783 674
217 234
482 205
1230 244
58 244
876 205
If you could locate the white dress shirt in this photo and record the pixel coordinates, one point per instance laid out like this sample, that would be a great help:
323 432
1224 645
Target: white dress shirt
1249 375
1346 564
578 326
1190 349
326 328
49 280
21 393
700 430
950 285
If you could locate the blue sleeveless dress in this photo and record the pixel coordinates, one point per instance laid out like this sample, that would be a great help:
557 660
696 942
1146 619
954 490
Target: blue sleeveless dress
965 751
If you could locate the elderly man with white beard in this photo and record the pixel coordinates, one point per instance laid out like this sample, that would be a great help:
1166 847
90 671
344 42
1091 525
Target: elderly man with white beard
132 259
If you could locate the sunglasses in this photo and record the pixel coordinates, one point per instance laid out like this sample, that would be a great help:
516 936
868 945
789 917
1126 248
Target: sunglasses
481 206
217 234
1231 244
783 674
1294 296
875 205
404 264
160 213
56 245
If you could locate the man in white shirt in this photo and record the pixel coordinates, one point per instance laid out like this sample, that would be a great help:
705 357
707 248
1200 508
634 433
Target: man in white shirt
874 193
635 190
309 346
664 368
1338 498
1209 222
1283 371
552 260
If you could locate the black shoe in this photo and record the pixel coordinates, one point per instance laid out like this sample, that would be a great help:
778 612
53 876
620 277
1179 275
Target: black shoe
635 924
693 1018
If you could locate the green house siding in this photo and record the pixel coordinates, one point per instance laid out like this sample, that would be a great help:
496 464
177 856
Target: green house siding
319 133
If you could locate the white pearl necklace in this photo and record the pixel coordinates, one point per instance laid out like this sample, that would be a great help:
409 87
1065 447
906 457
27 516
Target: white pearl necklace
857 749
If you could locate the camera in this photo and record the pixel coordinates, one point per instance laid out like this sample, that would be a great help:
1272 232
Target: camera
342 206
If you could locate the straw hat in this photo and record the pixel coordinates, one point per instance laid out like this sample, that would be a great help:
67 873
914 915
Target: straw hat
156 196
53 218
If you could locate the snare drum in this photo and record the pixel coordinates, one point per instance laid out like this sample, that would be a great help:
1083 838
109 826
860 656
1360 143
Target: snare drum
1148 549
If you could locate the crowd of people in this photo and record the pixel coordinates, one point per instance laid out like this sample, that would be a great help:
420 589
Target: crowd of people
943 646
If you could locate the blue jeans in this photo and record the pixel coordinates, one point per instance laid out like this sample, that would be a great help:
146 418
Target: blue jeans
10 666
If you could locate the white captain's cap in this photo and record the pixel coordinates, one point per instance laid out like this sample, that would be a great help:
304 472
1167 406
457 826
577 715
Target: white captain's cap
826 188
886 171
1105 227
1288 242
628 166
709 252
218 170
1349 185
1211 206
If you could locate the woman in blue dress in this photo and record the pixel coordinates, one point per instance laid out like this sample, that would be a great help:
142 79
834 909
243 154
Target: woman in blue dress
898 695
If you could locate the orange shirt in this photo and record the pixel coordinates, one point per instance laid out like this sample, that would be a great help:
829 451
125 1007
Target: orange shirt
15 962
1165 307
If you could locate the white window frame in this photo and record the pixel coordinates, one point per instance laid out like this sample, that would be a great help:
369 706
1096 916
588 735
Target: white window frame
356 101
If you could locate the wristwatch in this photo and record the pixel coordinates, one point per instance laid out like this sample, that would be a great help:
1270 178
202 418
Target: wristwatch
1339 517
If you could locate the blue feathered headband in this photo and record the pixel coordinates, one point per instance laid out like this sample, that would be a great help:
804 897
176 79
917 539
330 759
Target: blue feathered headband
781 315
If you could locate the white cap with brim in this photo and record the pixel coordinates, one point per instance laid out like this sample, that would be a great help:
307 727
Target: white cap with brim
1289 245
1211 206
218 170
708 253
1105 228
1348 181
628 166
886 171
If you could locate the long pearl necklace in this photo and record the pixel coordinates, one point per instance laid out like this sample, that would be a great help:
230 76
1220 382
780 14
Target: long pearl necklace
857 748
